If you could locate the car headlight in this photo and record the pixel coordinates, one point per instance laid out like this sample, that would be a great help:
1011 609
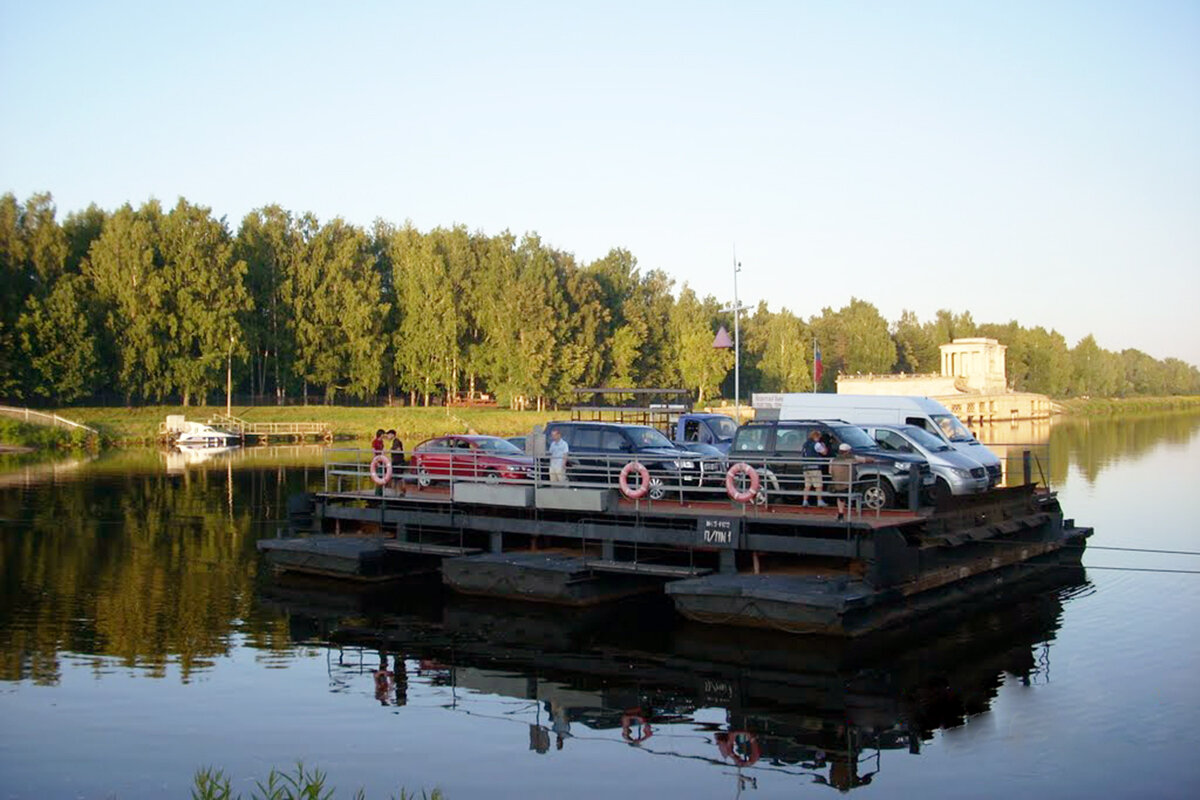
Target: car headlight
682 464
961 473
900 468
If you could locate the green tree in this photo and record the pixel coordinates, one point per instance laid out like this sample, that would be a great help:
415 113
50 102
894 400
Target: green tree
125 269
426 340
336 310
854 339
1094 370
58 342
269 242
203 297
701 366
946 326
916 349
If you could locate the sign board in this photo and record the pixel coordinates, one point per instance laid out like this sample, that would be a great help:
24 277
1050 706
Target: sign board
719 532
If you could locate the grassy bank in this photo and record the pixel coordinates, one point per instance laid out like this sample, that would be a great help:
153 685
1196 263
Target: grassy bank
1116 406
140 425
40 437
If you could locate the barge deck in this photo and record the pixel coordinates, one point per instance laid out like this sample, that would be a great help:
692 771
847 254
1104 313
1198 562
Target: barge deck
782 565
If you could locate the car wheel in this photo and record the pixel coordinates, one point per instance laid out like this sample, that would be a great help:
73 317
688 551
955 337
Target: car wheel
878 495
657 488
941 491
423 477
492 477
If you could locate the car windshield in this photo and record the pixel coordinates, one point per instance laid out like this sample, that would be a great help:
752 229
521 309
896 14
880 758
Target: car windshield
648 437
954 430
722 427
855 437
925 439
499 446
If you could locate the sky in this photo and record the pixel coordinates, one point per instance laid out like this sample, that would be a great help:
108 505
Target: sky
1036 161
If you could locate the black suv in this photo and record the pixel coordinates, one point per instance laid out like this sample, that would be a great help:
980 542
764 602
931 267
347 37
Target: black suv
599 450
775 445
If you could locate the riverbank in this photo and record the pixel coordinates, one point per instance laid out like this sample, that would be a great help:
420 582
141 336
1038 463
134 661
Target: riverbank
23 437
139 426
1116 406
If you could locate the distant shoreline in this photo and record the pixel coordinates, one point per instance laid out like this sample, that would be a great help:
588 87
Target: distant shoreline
139 426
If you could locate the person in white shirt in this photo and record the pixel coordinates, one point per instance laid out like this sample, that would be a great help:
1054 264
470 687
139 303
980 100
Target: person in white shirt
558 456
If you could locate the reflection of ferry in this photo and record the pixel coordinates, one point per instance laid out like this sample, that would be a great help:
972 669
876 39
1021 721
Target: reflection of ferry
819 709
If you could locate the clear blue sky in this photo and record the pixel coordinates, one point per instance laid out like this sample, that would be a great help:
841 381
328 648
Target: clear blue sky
1037 161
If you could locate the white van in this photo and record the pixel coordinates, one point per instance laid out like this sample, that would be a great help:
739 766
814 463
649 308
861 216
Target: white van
870 409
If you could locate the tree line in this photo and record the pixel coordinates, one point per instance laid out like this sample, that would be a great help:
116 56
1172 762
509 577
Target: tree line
146 305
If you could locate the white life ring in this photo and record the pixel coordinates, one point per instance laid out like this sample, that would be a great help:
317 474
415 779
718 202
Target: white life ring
623 480
381 480
741 468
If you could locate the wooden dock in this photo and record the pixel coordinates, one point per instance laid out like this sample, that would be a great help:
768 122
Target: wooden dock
264 432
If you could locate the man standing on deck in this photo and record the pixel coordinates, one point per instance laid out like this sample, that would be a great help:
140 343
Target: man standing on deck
812 449
558 456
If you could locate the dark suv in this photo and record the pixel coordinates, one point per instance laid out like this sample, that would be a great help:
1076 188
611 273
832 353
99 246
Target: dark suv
599 450
775 445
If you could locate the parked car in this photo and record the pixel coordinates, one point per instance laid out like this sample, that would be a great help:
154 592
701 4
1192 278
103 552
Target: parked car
774 445
490 458
954 472
599 450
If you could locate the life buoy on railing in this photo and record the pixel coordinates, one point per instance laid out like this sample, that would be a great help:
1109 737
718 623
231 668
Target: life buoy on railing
742 468
381 479
739 746
634 727
623 480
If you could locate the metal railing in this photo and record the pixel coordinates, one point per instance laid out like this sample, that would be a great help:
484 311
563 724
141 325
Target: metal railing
781 481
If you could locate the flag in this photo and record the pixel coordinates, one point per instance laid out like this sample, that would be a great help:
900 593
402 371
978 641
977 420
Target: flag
818 368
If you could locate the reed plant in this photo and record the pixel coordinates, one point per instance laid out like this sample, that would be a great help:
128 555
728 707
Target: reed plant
303 784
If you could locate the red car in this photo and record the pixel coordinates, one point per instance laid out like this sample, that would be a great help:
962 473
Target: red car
488 457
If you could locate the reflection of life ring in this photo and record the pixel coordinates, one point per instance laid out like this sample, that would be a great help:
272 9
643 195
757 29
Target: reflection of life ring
740 746
634 727
379 479
742 468
623 480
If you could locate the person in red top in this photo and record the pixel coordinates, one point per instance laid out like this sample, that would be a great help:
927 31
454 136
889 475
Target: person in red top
377 442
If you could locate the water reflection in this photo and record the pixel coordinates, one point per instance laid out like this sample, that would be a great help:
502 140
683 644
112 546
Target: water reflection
135 568
1090 444
819 710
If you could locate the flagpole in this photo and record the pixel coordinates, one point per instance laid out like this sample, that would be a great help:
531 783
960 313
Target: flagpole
736 308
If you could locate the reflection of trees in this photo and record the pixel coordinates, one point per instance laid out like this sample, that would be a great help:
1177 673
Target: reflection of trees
1093 444
148 570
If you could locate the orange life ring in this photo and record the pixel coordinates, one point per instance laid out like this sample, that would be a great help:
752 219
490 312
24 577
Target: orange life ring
623 480
381 480
634 728
750 472
734 743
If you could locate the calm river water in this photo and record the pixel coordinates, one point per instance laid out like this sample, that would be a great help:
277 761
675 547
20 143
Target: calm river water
140 642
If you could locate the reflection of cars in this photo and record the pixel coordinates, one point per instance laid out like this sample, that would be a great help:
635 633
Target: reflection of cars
598 451
955 472
469 456
776 445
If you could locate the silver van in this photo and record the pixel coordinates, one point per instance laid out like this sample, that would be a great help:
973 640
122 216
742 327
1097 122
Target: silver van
957 473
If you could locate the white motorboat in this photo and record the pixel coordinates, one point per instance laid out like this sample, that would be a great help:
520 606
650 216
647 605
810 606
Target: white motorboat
198 434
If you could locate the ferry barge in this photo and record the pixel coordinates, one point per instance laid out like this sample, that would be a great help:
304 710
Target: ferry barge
719 552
